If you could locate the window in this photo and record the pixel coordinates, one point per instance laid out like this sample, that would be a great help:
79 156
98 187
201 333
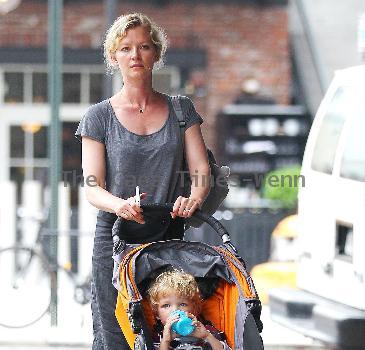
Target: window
96 87
353 158
39 88
14 87
330 131
71 87
344 241
40 142
17 142
29 84
28 154
81 84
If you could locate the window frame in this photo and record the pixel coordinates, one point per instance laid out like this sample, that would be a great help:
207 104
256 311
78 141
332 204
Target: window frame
28 70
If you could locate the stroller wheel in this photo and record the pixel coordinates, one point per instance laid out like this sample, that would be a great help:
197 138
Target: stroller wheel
140 343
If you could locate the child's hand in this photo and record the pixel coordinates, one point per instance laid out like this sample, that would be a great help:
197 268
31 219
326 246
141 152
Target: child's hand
168 335
200 331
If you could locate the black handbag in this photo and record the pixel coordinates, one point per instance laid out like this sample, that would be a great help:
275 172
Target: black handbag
219 174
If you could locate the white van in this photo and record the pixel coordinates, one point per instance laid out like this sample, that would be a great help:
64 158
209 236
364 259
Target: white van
330 304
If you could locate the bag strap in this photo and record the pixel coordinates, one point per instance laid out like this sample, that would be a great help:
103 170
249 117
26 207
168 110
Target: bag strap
180 117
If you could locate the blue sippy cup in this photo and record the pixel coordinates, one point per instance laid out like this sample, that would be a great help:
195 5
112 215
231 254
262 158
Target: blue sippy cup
184 325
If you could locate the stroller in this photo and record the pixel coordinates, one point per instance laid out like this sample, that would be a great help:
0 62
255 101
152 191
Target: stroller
230 302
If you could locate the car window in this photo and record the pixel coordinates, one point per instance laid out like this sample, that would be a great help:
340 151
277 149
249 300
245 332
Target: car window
353 158
330 131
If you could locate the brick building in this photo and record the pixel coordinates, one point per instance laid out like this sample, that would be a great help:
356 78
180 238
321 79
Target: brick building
213 48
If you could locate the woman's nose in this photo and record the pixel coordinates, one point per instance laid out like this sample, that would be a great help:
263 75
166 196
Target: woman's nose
135 52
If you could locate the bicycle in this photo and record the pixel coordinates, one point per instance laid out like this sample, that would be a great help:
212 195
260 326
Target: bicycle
27 275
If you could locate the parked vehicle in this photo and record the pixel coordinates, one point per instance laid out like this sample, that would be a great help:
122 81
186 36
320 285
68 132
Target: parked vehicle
330 302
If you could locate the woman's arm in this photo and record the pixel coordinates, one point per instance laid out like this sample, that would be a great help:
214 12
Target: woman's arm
93 166
197 160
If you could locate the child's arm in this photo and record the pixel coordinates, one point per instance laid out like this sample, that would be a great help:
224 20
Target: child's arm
202 333
164 345
214 342
168 335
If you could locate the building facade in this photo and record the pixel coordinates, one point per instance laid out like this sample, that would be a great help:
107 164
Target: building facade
213 48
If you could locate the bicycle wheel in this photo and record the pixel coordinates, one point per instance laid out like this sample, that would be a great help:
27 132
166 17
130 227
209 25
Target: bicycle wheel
25 293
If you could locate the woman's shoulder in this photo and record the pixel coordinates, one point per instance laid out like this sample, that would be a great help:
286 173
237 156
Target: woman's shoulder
94 122
98 109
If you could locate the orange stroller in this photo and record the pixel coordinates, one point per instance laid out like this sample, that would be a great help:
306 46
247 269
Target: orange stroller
230 302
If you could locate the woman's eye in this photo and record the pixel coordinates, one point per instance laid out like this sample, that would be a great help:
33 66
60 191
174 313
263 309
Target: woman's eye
125 48
145 47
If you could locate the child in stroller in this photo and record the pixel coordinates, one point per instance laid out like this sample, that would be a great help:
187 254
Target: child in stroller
231 302
177 290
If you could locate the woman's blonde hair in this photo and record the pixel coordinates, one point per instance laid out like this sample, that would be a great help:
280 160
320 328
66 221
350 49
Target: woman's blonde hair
179 282
119 29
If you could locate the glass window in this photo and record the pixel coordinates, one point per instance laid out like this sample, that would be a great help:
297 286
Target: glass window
14 87
330 131
17 175
41 174
353 158
96 87
16 142
41 142
40 89
71 87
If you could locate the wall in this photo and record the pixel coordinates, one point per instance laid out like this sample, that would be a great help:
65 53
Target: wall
240 40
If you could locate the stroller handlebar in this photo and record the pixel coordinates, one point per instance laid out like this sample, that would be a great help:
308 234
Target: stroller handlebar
167 208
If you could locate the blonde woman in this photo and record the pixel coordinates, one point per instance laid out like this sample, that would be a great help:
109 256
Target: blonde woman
132 139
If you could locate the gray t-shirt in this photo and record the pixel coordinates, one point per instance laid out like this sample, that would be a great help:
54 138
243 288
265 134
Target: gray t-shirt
154 162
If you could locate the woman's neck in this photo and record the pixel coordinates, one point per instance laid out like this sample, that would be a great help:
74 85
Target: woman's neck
137 92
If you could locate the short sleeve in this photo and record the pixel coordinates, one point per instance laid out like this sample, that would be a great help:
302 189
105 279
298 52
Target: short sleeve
191 115
92 124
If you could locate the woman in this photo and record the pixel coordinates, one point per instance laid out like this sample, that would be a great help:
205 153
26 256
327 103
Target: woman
133 139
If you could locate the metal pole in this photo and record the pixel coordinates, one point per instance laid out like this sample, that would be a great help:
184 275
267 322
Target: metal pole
110 15
54 139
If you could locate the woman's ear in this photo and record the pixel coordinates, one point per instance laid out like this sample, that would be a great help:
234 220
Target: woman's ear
112 59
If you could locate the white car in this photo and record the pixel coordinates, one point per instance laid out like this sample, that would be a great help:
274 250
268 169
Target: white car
330 304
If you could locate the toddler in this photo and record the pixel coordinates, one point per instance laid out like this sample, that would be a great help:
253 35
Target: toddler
177 290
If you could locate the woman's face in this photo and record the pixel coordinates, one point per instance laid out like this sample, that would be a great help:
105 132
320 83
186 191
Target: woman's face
136 53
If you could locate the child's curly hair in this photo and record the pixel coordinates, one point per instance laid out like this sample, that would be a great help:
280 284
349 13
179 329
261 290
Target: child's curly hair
179 282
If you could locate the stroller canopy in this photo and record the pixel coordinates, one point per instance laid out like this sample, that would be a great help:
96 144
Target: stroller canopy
198 259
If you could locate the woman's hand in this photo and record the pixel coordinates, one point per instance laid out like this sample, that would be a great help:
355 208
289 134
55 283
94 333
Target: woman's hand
185 207
128 209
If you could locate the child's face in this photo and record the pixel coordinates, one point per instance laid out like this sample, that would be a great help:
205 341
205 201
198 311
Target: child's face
172 302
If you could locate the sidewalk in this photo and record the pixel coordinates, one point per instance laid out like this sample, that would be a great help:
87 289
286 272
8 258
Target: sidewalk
75 332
